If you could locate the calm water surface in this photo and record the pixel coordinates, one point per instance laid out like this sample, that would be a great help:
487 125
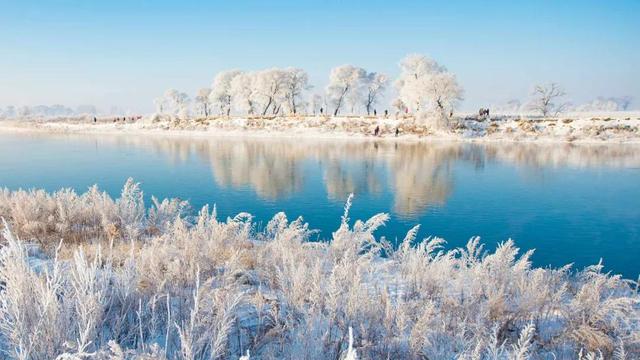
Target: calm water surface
571 203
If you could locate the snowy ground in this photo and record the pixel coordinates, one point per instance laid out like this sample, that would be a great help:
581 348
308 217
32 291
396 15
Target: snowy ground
615 127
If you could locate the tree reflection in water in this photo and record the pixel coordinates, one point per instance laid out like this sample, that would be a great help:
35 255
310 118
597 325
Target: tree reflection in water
418 175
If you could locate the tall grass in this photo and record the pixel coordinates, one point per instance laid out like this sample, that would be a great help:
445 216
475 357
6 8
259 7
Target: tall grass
88 276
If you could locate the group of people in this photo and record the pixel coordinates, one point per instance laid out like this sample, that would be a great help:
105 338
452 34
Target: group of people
376 131
375 112
123 119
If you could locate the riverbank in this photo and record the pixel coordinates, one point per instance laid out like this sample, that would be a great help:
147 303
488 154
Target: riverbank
621 127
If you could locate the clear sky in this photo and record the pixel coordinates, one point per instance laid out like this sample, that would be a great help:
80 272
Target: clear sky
126 52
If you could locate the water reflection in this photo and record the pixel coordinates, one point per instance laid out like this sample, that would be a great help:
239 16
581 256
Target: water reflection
270 169
416 175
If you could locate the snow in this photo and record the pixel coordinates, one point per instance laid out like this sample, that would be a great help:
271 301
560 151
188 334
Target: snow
197 287
613 127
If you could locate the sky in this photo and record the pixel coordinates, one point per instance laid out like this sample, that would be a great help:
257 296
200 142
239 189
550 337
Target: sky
125 53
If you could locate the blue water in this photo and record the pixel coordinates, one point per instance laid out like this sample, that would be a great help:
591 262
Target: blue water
573 204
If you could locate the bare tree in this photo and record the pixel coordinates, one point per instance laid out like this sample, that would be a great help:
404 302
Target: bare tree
545 98
624 102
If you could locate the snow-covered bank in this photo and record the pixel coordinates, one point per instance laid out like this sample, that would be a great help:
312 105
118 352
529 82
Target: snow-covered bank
616 127
159 283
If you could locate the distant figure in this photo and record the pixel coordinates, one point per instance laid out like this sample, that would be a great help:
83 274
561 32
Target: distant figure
386 113
321 111
397 131
95 120
376 131
451 113
375 113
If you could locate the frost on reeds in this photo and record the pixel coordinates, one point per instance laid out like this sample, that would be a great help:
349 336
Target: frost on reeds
90 277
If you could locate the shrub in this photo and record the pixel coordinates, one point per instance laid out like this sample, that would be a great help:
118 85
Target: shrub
171 286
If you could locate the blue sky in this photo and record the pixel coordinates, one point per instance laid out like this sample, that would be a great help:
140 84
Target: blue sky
126 52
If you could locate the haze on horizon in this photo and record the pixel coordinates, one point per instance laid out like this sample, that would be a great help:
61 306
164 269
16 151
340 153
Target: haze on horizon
126 53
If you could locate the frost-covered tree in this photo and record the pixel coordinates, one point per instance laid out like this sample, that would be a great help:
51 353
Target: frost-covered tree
606 104
296 83
375 85
242 91
24 111
399 105
177 101
270 85
10 111
425 85
159 103
624 102
545 99
345 82
514 104
202 101
317 102
221 93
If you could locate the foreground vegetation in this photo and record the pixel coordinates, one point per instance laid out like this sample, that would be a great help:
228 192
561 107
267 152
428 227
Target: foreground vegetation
86 276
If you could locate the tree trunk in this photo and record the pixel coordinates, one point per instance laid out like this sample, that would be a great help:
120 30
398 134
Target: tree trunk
266 108
344 92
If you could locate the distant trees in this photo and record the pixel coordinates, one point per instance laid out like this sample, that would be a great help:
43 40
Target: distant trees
607 104
317 102
624 102
270 85
271 91
352 85
55 110
202 101
375 84
176 102
345 82
221 91
296 83
546 99
424 85
243 93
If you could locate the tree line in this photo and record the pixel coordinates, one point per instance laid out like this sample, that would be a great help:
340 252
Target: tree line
423 85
